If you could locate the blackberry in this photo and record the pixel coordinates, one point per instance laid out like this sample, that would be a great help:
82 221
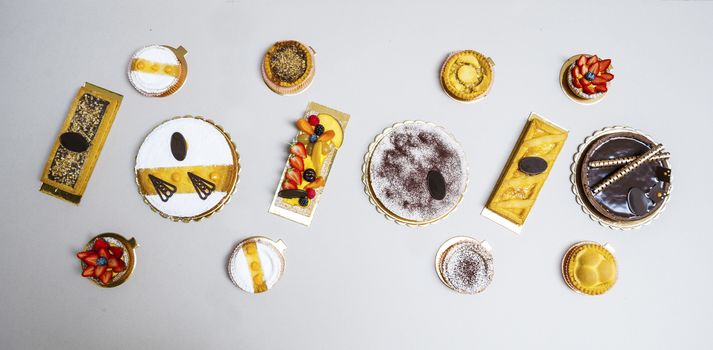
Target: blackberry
309 175
319 129
304 201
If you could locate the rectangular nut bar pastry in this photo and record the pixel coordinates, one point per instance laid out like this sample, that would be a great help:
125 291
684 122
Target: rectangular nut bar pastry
81 138
525 173
320 135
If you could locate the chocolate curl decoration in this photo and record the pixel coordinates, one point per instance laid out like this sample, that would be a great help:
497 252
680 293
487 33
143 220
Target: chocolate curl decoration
627 169
624 160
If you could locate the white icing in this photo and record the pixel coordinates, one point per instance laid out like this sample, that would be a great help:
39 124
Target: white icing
206 146
403 188
154 84
270 261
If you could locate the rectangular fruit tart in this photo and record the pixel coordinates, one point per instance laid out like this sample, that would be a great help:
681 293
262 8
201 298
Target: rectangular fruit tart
525 173
320 135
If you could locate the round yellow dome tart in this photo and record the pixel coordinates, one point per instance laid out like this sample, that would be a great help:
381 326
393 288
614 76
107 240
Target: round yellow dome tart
288 67
467 75
187 168
589 268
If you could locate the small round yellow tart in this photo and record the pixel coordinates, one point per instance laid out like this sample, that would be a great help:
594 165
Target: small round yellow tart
467 75
589 268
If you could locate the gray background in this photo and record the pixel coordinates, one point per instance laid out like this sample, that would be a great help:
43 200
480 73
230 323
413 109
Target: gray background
354 279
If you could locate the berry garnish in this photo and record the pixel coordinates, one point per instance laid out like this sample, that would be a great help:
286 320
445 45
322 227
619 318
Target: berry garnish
304 201
298 149
590 74
313 120
318 129
297 163
294 175
289 185
311 193
313 138
309 175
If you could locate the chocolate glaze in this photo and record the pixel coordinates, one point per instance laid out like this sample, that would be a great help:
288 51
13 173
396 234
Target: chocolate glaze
612 202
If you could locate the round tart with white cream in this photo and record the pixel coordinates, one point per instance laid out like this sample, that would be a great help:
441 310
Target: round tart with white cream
415 173
187 168
158 70
257 263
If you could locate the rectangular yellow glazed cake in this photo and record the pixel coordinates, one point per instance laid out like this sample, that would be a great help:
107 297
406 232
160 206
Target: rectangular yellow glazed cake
525 173
320 135
77 148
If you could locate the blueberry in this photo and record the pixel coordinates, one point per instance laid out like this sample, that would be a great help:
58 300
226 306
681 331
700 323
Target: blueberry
589 76
101 261
313 138
304 201
309 175
319 129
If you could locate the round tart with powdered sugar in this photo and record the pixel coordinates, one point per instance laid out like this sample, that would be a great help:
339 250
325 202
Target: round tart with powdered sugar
418 172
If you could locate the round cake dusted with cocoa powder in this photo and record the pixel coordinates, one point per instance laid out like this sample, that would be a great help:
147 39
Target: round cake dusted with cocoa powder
418 172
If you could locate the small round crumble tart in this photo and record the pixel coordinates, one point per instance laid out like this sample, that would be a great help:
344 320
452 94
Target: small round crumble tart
585 78
415 173
467 75
288 67
465 265
158 70
621 177
256 264
187 168
589 268
108 259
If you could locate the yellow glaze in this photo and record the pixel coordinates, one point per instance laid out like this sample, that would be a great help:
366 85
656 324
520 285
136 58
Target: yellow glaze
466 75
222 176
253 261
590 268
146 66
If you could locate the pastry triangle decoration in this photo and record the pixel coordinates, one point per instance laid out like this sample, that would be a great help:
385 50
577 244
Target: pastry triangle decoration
203 187
164 189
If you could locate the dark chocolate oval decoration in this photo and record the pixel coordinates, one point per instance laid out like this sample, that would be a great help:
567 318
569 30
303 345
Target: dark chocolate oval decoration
292 194
638 201
532 165
179 147
74 141
436 184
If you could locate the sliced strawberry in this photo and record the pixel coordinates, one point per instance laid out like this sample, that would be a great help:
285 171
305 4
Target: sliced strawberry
100 243
599 81
104 253
594 68
116 251
601 88
99 270
584 69
91 259
298 149
581 61
105 277
607 76
592 59
116 265
88 272
578 82
294 175
604 64
83 255
297 163
589 89
289 185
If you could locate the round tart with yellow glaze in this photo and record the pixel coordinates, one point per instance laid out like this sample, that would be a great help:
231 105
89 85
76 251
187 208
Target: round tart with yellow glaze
187 168
467 75
288 67
589 268
257 263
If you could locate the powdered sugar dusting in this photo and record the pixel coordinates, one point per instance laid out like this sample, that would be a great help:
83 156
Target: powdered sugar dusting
400 164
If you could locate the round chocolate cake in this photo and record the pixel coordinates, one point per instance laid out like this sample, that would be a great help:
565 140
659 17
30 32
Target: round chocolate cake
418 172
630 196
